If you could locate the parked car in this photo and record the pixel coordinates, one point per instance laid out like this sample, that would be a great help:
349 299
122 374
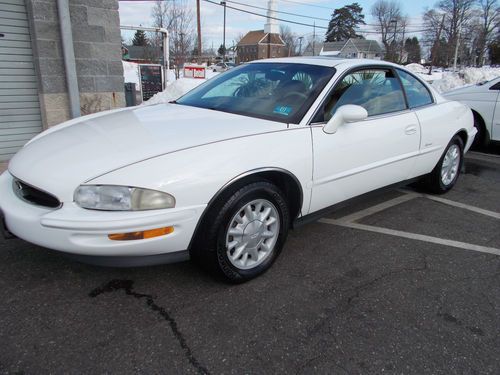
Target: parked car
484 100
221 174
219 67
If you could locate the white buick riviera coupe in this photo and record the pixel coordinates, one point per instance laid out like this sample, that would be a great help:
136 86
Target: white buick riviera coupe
221 174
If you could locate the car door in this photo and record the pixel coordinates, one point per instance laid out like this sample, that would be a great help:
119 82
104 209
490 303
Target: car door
495 127
369 154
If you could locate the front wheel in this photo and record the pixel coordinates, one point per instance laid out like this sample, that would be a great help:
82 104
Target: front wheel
445 174
244 232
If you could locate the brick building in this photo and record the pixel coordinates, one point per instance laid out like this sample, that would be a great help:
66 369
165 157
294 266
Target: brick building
47 75
263 44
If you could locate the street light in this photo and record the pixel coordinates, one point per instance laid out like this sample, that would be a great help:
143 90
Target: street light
224 33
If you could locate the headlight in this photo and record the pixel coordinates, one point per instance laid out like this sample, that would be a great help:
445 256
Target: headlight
121 198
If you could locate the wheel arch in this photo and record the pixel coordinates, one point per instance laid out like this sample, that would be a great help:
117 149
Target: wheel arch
285 180
463 136
484 130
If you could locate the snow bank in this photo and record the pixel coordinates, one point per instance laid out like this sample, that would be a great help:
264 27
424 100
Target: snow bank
131 73
446 81
465 77
175 90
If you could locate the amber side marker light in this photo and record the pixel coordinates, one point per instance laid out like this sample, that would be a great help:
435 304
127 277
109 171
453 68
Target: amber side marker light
151 233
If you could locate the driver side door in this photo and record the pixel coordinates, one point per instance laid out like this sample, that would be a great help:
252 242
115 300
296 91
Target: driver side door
366 155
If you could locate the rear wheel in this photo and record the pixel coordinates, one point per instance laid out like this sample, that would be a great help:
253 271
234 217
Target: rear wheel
243 232
445 173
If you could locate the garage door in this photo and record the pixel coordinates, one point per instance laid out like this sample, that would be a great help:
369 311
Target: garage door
20 116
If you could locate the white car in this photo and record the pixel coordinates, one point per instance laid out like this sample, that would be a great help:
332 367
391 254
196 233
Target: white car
484 100
222 173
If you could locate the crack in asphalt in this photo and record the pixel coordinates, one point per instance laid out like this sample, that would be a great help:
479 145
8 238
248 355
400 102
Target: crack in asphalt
127 286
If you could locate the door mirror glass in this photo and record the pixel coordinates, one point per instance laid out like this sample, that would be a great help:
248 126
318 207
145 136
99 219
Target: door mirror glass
343 115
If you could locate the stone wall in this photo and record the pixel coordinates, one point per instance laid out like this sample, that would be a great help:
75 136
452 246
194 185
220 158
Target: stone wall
97 45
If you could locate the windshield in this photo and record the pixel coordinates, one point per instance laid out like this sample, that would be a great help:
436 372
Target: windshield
280 92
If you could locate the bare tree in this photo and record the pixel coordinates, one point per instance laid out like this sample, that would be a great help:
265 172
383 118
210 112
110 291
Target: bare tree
457 17
490 19
289 38
177 17
391 24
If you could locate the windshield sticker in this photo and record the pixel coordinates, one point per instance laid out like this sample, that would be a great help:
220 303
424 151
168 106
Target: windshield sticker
282 110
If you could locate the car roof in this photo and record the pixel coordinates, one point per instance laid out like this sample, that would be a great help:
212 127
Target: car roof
327 61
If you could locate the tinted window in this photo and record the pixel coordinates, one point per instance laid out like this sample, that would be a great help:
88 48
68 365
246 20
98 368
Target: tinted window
416 92
376 90
276 91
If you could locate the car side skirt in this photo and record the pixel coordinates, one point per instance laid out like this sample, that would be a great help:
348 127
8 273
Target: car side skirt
314 216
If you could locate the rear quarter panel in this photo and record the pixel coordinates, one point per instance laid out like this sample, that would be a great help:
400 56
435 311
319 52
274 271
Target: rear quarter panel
439 123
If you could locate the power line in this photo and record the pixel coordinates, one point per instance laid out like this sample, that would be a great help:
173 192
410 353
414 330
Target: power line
307 4
279 11
265 16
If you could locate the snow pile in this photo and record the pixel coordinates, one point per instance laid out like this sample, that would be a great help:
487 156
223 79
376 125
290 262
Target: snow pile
465 77
417 68
175 90
447 80
131 73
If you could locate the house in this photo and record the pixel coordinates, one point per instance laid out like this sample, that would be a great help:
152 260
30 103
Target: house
354 49
263 44
317 46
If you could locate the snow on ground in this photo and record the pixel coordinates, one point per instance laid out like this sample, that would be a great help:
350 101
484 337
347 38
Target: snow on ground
448 80
175 90
131 73
178 87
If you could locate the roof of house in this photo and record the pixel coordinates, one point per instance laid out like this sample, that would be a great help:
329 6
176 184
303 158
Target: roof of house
362 45
308 51
260 37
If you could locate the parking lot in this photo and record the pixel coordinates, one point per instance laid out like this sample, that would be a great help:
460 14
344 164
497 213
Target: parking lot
398 283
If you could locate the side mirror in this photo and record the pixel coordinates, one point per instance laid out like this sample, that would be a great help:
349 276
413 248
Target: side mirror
343 115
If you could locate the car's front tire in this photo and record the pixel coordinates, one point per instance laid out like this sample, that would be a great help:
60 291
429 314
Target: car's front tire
445 174
243 232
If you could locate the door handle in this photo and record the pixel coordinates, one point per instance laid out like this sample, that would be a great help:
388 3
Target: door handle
412 129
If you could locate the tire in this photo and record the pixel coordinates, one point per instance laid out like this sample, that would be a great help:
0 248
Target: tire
233 221
439 181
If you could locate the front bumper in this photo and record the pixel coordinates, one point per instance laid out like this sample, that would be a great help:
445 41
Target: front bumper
74 230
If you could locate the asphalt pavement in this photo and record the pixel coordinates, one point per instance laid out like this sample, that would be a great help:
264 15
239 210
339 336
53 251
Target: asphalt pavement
398 283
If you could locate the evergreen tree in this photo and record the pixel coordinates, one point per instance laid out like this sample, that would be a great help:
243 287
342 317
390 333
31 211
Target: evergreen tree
140 38
221 51
412 47
344 22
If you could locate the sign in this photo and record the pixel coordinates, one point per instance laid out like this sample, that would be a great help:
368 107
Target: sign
151 80
195 71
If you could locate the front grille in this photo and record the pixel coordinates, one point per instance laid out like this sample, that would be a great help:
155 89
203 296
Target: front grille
33 195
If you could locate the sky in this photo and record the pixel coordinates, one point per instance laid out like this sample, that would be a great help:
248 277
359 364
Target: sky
135 13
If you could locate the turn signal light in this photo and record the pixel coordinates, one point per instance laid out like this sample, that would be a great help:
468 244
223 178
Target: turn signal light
151 233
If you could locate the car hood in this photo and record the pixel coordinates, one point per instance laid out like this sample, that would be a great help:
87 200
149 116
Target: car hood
71 155
465 90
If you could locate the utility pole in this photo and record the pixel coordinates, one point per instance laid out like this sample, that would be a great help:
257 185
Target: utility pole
199 29
395 21
314 38
224 33
433 59
300 45
456 48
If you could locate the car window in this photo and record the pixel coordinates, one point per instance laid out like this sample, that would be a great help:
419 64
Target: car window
376 90
276 91
416 93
